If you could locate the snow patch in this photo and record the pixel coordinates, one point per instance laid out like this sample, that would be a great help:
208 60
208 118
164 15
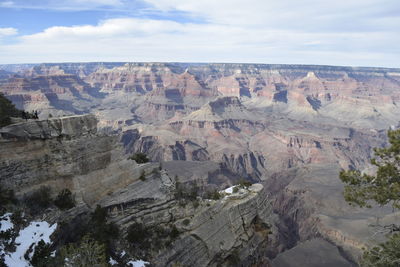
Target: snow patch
31 235
138 263
5 222
112 261
229 190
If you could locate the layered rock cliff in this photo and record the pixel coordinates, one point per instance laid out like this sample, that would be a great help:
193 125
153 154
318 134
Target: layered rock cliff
69 152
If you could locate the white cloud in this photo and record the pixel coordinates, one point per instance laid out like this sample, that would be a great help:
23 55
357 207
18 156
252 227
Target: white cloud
106 29
99 2
7 4
8 31
342 32
133 39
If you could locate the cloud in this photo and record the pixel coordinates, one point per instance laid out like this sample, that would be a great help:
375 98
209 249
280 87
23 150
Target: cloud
7 4
342 32
306 15
123 27
134 39
8 32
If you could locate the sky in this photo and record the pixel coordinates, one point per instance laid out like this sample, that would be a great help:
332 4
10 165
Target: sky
323 32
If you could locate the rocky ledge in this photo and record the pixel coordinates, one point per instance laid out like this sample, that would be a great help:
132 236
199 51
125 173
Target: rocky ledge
71 126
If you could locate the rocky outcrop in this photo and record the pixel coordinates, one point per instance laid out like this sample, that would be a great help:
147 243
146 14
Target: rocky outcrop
63 153
227 225
211 233
66 127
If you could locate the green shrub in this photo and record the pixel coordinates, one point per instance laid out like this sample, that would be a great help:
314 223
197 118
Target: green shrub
186 222
88 252
99 229
39 200
139 235
17 219
42 256
174 233
139 158
142 176
196 204
234 258
7 110
7 197
65 200
235 189
215 195
185 192
244 184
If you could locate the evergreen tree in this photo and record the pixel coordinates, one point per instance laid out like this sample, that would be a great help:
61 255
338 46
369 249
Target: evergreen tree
382 188
88 253
7 110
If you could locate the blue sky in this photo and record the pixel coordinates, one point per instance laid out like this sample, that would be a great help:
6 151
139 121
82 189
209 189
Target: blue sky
341 32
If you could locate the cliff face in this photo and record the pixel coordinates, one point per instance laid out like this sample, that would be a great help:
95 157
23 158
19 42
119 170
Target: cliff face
69 152
62 153
209 233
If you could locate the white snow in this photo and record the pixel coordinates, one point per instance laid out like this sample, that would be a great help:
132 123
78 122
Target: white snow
138 263
229 190
112 261
32 234
123 253
5 222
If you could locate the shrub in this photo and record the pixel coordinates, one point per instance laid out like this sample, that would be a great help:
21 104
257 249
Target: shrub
17 219
65 200
244 184
215 195
89 252
7 197
196 204
42 256
99 229
139 235
142 176
174 233
235 189
234 258
139 158
183 192
39 200
186 222
7 110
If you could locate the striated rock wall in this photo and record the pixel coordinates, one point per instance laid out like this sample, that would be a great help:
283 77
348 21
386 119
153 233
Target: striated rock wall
238 224
63 153
69 153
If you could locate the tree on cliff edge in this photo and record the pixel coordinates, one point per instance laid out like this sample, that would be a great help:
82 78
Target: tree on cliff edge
382 188
7 110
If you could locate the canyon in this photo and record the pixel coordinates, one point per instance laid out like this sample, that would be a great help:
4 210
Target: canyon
288 129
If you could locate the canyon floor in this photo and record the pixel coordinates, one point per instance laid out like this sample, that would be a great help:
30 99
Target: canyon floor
286 129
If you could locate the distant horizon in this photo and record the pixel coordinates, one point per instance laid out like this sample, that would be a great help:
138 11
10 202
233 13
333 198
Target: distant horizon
187 62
